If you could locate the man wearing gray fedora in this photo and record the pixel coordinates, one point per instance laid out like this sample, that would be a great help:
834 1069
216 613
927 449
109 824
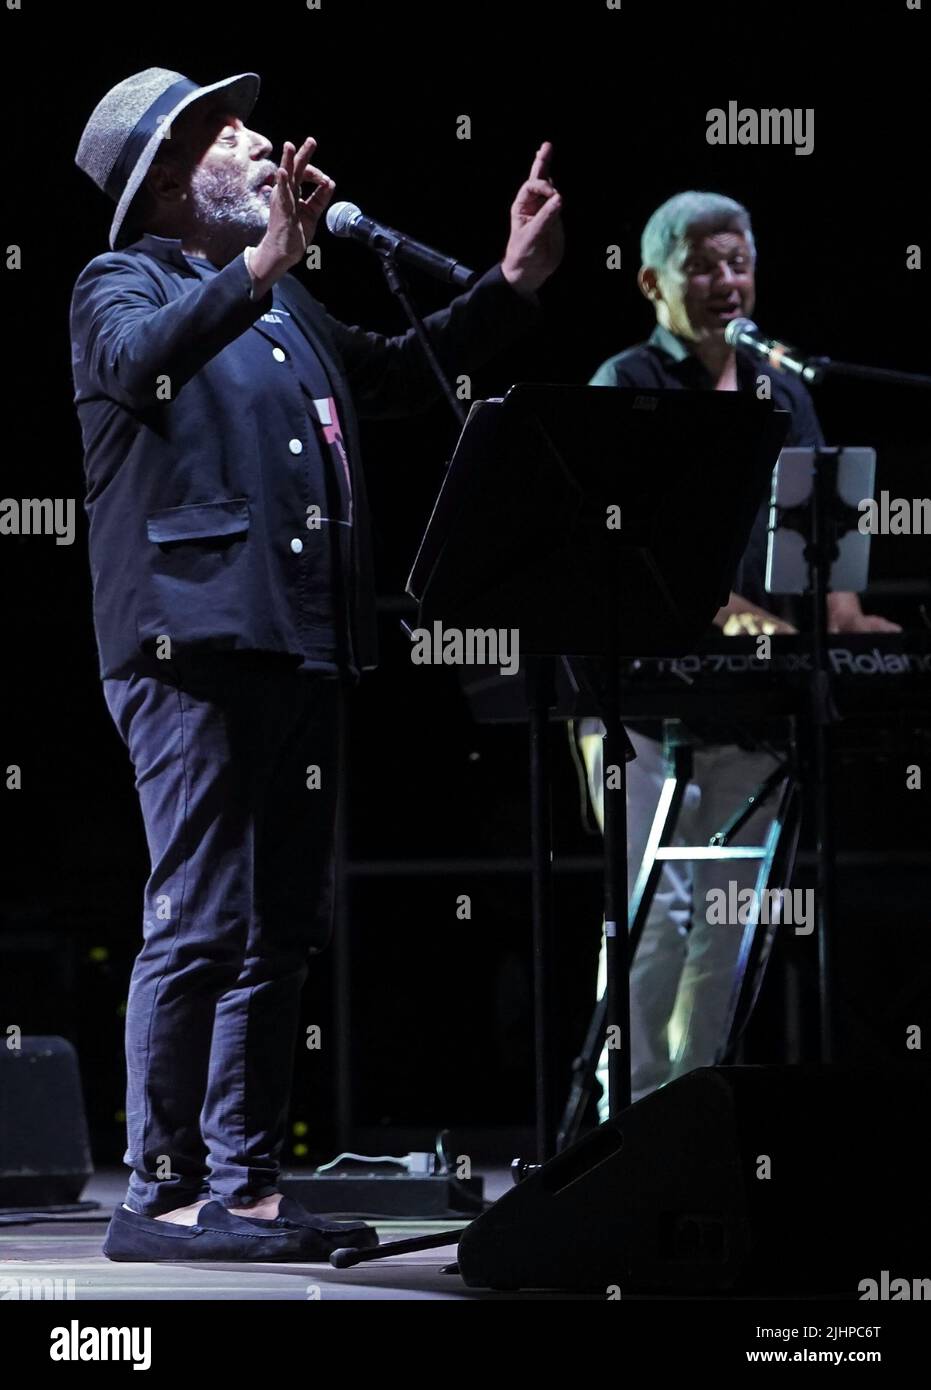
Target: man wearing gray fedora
233 599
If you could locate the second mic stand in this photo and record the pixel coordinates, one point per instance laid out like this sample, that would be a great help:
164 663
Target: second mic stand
820 553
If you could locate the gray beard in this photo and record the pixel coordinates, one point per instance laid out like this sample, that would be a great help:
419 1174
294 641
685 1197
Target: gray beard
222 207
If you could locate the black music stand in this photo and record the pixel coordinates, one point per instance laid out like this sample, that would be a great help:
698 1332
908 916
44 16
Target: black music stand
817 505
524 535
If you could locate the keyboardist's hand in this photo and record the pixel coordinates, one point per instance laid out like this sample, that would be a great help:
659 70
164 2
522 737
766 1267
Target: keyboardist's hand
741 618
756 625
846 615
864 622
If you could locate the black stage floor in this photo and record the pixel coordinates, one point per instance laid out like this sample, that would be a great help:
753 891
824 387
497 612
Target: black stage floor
61 1259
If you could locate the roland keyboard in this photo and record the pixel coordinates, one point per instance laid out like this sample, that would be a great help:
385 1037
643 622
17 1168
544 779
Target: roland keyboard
876 675
870 673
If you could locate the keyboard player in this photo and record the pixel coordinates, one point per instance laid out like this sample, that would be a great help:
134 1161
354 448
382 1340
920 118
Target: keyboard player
698 264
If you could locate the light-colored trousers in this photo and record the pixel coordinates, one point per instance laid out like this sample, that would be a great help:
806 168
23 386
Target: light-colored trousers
682 976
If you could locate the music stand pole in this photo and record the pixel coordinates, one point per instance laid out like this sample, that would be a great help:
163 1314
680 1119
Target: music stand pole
617 935
541 695
820 554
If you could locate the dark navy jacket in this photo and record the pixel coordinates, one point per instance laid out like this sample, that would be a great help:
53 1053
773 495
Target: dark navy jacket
186 427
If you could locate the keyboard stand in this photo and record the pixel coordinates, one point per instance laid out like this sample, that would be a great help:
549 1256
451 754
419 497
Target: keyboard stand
778 850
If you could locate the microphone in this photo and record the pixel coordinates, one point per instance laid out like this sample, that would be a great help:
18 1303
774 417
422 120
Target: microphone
781 357
345 219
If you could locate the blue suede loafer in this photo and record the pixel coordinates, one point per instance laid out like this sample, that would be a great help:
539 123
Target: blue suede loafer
216 1235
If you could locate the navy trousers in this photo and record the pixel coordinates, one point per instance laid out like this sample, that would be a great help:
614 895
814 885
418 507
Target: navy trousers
235 756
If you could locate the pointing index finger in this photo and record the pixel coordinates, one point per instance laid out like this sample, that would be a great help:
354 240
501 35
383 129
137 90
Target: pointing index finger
540 161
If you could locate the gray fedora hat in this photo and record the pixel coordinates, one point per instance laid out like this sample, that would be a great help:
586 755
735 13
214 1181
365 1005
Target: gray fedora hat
123 135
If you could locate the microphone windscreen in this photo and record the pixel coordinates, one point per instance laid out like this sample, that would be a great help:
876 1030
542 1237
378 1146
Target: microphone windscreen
734 329
340 217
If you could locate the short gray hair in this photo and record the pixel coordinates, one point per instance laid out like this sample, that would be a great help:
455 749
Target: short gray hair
671 223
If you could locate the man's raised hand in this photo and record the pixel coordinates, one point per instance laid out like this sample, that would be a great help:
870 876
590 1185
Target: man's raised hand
535 246
292 219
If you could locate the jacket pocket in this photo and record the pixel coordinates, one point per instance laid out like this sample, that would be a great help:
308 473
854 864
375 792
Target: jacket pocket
198 586
199 521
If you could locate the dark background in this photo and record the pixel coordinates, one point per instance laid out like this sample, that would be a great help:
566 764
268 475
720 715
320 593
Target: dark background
440 1009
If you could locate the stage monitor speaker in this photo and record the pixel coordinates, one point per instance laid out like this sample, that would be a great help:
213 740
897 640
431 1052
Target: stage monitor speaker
45 1156
741 1179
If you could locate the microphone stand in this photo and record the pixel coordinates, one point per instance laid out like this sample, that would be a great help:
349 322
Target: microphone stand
820 552
821 367
398 288
745 333
344 1258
